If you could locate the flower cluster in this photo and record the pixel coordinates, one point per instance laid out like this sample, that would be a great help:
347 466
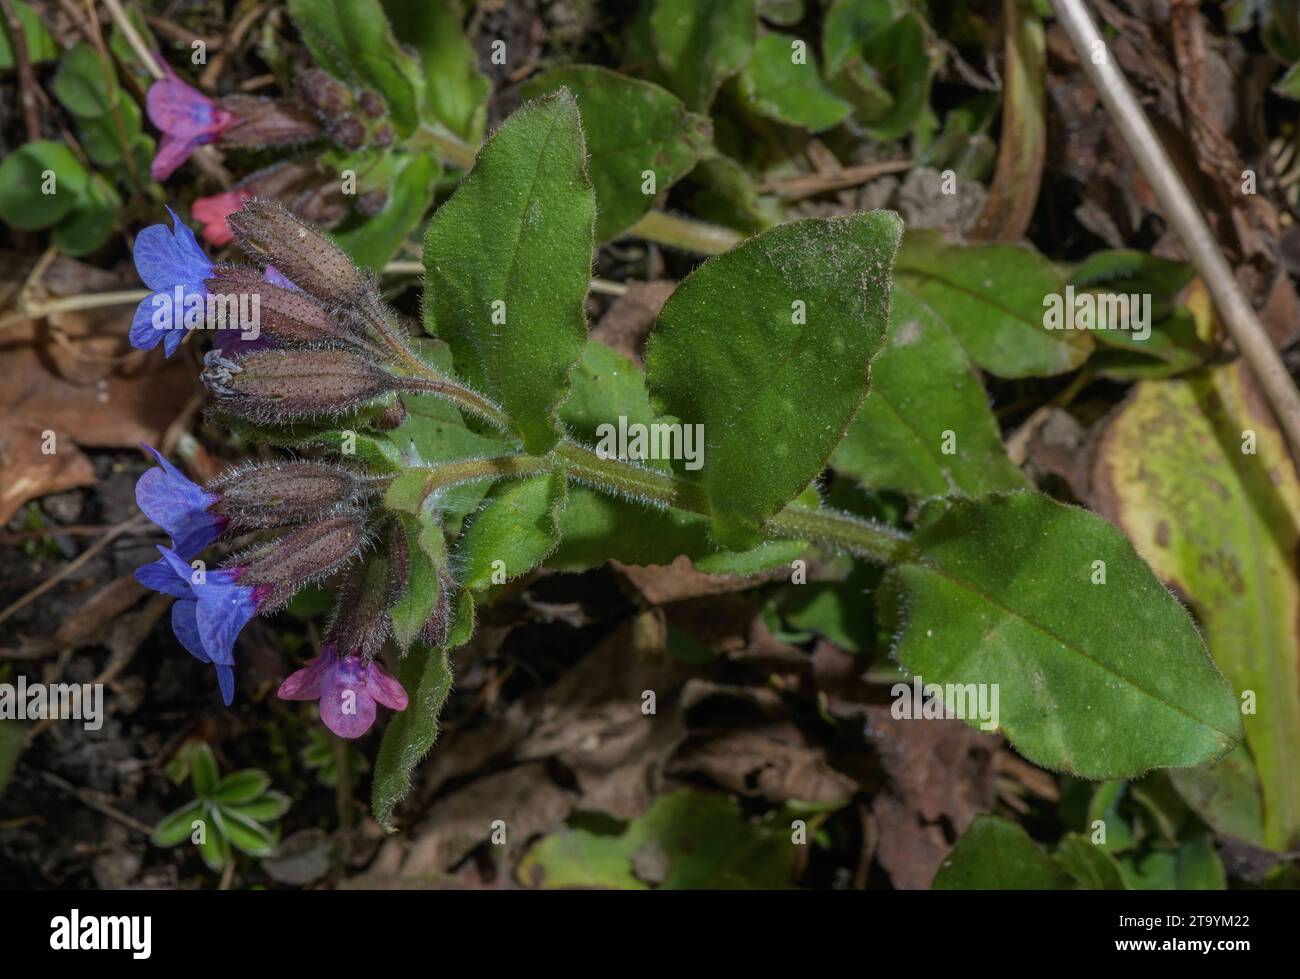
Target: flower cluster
327 345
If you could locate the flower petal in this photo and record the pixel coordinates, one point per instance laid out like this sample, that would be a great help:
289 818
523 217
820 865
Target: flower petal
224 609
172 152
161 577
144 335
384 688
306 683
226 681
186 628
345 706
175 107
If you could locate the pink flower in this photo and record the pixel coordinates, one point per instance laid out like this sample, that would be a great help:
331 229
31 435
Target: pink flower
188 119
212 211
348 689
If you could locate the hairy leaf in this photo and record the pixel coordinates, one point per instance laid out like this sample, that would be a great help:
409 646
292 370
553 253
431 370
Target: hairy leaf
701 45
769 348
515 530
514 244
1105 680
783 82
995 854
633 128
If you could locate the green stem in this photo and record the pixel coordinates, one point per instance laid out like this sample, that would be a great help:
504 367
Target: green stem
874 541
687 234
429 381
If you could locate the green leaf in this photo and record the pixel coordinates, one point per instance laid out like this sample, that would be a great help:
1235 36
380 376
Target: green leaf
879 61
352 40
1226 794
215 848
925 399
178 826
596 528
245 835
1091 866
426 550
24 176
632 127
995 854
1102 680
1194 866
373 240
264 809
701 45
769 348
515 241
92 219
203 771
241 786
11 746
455 92
1198 475
776 85
605 385
992 298
513 533
40 45
697 839
425 672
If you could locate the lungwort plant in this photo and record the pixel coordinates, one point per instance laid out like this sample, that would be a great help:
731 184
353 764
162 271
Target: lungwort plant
434 469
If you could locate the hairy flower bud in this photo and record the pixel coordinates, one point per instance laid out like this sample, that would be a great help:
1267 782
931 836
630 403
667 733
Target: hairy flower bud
268 233
361 621
254 497
390 418
305 555
372 104
438 626
288 316
349 132
267 122
372 201
286 385
327 96
383 135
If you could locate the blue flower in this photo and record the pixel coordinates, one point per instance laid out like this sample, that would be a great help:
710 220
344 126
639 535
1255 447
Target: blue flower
208 614
172 264
178 506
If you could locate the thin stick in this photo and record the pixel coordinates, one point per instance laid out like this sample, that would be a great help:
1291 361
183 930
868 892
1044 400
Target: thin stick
1182 214
26 77
134 39
132 523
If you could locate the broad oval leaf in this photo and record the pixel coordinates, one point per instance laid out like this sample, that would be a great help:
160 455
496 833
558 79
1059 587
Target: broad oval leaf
783 82
516 529
454 92
925 428
1103 680
995 854
701 45
769 348
508 262
993 299
640 139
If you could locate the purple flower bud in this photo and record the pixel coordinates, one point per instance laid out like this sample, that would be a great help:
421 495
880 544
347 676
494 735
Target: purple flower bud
270 234
178 506
280 493
307 554
391 417
348 689
383 135
372 104
349 132
437 627
326 95
368 594
267 122
287 385
188 119
372 201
